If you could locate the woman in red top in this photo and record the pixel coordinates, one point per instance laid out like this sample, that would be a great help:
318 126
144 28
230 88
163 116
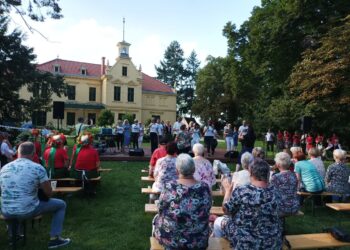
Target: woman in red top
309 142
280 143
287 139
85 157
296 139
56 158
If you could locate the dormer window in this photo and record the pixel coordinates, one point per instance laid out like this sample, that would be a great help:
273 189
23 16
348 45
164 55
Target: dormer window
83 71
56 68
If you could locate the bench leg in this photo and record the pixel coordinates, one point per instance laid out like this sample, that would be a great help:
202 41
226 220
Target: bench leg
14 228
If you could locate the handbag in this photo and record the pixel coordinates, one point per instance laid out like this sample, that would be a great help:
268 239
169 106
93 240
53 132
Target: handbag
338 233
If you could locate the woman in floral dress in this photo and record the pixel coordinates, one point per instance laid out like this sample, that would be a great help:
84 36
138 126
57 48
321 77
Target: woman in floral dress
184 205
286 185
204 170
252 220
165 169
337 175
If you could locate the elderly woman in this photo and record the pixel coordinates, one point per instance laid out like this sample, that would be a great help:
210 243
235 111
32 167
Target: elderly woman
242 177
183 140
204 170
309 179
184 205
286 185
338 173
56 158
251 220
314 155
165 170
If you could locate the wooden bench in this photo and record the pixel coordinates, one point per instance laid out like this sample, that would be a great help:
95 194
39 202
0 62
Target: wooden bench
66 190
339 206
150 191
214 244
152 208
76 180
151 179
314 241
312 195
105 170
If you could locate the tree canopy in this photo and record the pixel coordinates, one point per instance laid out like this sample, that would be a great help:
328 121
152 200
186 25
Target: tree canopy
286 49
36 10
17 70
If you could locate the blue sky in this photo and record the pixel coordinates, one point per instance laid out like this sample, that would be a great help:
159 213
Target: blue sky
91 29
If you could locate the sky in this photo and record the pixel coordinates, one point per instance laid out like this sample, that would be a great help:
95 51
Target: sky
90 29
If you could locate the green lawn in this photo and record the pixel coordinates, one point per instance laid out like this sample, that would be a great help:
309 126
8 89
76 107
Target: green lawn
115 219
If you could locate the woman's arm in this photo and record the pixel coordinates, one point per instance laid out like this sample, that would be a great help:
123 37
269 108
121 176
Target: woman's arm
228 191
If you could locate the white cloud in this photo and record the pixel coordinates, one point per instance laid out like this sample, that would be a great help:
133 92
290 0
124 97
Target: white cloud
88 40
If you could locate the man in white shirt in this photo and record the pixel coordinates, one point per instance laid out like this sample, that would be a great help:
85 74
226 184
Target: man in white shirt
243 129
19 184
176 126
160 130
135 132
270 137
80 126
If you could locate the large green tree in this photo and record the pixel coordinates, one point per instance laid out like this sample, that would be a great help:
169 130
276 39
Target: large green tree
17 70
187 88
321 81
171 69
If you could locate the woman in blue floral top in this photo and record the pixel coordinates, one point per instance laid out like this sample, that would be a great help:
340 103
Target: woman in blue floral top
337 175
184 206
165 169
252 220
286 185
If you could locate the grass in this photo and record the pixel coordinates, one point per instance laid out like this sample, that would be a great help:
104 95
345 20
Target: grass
115 218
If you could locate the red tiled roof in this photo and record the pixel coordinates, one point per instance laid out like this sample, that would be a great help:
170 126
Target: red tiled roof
94 70
71 67
151 84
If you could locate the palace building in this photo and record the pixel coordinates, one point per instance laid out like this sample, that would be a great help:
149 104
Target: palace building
121 88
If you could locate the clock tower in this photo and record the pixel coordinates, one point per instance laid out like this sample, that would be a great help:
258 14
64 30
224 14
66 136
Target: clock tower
123 49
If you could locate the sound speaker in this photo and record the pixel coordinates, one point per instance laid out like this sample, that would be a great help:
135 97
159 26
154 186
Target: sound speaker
306 123
231 154
58 110
136 152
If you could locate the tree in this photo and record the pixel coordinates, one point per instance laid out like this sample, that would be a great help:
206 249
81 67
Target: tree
321 81
106 118
17 71
35 8
171 69
214 99
187 89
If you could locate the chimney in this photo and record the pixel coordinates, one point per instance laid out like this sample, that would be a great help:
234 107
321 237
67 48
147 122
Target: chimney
103 66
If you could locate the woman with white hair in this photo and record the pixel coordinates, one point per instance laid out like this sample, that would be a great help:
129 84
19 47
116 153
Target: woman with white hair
242 177
184 206
252 219
204 170
286 185
337 174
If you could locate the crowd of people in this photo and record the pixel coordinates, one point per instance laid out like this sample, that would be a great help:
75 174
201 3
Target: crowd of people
286 140
28 168
256 199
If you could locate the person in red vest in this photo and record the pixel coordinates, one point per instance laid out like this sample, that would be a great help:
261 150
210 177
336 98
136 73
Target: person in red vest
334 138
287 139
37 145
85 158
309 142
280 143
296 139
56 158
